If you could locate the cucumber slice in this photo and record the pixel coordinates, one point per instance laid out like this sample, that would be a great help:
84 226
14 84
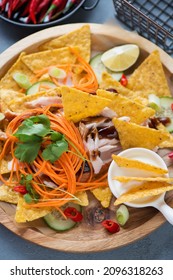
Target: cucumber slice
166 102
154 102
98 68
40 86
169 127
55 220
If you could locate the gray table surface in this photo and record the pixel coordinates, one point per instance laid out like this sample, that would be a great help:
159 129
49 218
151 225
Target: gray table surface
156 246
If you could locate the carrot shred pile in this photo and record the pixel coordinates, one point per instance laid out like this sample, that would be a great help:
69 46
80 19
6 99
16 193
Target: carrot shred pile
65 173
87 81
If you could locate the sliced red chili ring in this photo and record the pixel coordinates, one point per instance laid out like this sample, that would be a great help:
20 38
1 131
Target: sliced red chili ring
124 80
73 214
111 226
20 189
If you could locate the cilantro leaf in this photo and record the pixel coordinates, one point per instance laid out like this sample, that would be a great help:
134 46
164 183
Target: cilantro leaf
27 152
41 119
31 132
28 178
33 128
28 198
28 138
55 136
53 151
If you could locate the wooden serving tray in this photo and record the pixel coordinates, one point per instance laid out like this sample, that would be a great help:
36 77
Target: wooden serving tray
89 236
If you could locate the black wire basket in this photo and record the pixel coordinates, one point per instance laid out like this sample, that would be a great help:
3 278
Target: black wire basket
152 19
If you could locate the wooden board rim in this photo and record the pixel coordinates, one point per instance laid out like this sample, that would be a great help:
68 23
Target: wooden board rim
112 241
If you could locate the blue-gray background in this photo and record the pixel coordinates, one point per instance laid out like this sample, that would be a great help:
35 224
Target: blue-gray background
158 245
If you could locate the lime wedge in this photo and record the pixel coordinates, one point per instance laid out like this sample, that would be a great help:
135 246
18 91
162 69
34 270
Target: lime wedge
120 58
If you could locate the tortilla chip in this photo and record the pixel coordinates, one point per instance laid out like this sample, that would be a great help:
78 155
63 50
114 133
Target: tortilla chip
150 76
79 105
7 82
7 96
124 106
125 179
167 144
20 104
143 191
8 195
40 60
109 83
83 198
132 135
24 214
133 163
4 167
80 38
103 195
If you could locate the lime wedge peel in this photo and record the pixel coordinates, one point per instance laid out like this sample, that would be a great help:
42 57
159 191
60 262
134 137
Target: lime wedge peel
120 58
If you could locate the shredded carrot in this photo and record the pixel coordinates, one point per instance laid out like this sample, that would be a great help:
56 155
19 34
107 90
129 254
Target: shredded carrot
91 85
58 182
86 82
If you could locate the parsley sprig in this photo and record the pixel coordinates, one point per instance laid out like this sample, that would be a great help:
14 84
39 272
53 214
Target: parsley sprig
31 195
32 133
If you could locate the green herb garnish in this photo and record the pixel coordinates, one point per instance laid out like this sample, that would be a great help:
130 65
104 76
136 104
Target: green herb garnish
32 133
32 195
53 151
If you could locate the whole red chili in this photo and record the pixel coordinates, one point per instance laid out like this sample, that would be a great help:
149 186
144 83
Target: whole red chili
124 80
3 4
73 214
32 10
25 5
20 189
57 6
111 226
69 4
15 4
42 9
10 8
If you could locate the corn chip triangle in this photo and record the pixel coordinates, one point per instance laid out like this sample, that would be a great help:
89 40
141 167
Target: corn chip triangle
132 163
80 38
133 135
78 104
150 76
124 106
147 189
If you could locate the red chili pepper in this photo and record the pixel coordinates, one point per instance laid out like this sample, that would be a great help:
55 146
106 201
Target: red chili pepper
170 155
172 106
42 9
3 5
69 4
20 189
15 4
57 7
73 214
124 80
10 8
25 8
111 226
32 10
